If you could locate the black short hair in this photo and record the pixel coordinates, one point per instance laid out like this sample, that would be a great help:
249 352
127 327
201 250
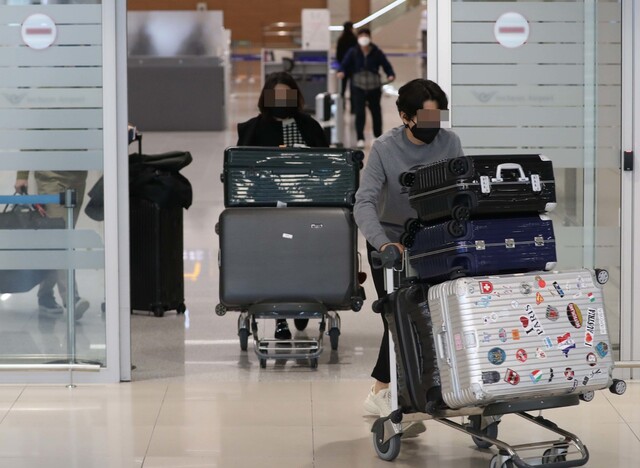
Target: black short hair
412 96
366 31
271 81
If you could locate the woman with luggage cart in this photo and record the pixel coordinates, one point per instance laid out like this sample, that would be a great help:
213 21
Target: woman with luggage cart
282 122
382 204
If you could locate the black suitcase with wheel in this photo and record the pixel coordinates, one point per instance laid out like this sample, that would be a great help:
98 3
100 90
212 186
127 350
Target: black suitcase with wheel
291 176
288 255
472 186
407 313
156 257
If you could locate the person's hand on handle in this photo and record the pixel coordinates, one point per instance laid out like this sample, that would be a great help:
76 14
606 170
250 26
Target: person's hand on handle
340 75
21 185
391 78
400 247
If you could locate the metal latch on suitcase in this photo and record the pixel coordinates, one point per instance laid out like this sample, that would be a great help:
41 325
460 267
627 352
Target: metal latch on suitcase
485 184
510 243
538 241
480 245
536 186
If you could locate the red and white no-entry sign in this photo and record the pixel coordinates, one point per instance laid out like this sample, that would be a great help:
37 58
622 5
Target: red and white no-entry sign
511 30
39 31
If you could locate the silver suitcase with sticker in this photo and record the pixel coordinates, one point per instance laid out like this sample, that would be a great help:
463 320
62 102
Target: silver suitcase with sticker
521 336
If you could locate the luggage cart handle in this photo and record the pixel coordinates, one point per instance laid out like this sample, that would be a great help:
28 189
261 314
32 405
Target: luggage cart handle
509 167
389 257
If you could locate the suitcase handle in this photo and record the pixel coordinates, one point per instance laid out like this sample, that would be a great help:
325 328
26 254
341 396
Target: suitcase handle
509 167
442 347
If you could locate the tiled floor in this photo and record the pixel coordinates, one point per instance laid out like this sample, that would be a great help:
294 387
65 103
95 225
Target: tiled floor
198 401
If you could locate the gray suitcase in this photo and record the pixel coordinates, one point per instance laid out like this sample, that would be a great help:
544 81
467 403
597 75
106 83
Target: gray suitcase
522 336
288 255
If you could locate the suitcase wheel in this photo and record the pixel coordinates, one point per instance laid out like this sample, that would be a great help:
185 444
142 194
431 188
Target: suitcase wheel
556 454
587 396
357 156
412 225
407 179
220 310
494 463
313 362
158 311
456 229
263 363
356 303
618 387
181 309
407 240
458 166
602 276
461 213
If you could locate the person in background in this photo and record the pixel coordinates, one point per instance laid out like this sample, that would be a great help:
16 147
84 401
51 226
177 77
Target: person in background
346 41
281 122
382 204
54 182
363 63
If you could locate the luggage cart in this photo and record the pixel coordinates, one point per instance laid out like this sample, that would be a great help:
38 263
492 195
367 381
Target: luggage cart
565 451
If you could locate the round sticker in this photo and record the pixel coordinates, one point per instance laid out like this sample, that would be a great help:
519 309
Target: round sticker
569 374
521 355
511 30
39 31
497 356
525 288
603 349
541 283
591 359
574 314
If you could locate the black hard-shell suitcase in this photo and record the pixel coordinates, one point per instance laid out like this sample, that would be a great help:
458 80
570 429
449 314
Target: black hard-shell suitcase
471 186
450 249
288 255
292 176
156 255
407 312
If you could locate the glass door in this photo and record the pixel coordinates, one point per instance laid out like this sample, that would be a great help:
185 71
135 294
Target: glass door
545 77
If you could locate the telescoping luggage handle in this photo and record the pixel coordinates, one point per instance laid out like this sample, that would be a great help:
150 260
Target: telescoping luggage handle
485 182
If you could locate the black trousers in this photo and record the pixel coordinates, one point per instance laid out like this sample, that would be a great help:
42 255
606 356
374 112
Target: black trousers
360 99
381 370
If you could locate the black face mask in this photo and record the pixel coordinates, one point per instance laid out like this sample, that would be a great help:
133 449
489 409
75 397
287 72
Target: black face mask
425 135
283 112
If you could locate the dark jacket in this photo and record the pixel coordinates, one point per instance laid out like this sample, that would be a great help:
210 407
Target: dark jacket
355 61
345 42
264 131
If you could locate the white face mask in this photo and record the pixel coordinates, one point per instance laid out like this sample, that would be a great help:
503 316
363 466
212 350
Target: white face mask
364 41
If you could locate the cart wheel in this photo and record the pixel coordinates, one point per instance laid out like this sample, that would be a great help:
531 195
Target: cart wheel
618 387
220 310
554 455
300 324
217 228
181 309
314 363
263 363
456 273
407 179
587 396
491 430
458 166
243 334
158 311
388 451
334 337
460 213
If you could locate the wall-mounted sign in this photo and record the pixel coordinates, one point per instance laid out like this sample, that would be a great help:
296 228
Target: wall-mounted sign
39 31
511 30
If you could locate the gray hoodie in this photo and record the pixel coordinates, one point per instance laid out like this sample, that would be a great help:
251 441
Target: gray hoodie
382 204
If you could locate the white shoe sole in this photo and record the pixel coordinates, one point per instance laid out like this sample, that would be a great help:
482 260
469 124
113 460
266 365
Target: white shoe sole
371 408
413 429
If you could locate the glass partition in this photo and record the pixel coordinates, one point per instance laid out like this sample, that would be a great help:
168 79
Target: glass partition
51 141
545 77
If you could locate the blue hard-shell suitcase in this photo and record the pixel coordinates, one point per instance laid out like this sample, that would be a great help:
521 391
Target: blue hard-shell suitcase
480 247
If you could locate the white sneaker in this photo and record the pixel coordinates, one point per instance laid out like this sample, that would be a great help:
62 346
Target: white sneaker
379 403
413 429
360 144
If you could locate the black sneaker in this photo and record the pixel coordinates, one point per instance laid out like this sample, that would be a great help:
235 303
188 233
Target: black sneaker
282 330
48 305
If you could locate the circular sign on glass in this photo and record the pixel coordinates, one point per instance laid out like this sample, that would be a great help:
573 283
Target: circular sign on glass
39 31
511 30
